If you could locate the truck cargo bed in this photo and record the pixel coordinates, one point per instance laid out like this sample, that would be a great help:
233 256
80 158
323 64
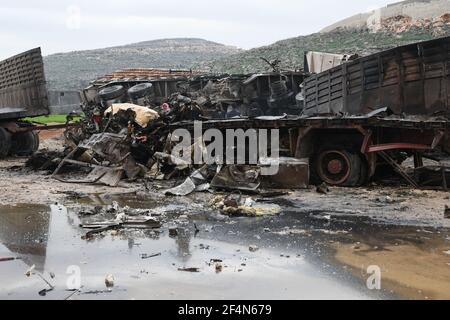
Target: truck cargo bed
412 79
23 91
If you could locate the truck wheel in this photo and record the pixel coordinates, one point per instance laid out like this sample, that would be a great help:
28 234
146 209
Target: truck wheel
111 93
5 143
339 168
140 90
364 176
25 143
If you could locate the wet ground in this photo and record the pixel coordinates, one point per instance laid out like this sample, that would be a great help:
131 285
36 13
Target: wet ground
299 255
318 246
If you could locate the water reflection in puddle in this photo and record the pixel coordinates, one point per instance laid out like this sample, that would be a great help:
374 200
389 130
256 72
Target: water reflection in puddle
51 240
300 256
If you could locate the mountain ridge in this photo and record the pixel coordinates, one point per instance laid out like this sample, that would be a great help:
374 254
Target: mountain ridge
74 70
397 24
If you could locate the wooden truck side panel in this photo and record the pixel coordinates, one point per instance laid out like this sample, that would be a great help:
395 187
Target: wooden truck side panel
412 80
23 90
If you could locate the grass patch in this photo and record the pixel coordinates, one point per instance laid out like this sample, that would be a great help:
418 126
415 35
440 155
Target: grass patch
54 118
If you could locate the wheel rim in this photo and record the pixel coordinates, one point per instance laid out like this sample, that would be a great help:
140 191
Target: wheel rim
334 167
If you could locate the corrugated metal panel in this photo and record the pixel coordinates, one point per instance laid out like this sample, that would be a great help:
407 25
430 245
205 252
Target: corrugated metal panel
23 92
413 79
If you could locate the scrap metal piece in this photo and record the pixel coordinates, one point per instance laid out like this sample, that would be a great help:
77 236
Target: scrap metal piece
147 256
437 176
317 62
237 177
187 187
172 160
196 182
128 222
189 269
109 147
292 173
398 168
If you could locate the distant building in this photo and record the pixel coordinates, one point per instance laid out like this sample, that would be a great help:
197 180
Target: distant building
64 102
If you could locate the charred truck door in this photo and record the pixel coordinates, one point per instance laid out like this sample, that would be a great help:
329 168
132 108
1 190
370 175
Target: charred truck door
23 93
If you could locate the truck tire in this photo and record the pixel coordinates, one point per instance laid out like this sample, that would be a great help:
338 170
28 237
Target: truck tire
111 93
364 177
140 90
340 168
5 143
25 143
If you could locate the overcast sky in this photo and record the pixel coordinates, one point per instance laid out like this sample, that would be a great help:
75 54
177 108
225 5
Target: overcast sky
61 26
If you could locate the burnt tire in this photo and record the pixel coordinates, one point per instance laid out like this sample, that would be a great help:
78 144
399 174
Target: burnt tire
5 143
25 143
364 177
339 168
111 93
140 90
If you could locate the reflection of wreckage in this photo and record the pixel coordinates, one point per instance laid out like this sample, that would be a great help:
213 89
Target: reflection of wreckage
344 125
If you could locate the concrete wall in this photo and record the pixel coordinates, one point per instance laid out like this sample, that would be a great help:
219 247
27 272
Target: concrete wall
416 9
64 102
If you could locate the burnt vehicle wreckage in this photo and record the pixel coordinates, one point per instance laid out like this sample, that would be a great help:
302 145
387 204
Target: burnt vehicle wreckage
23 93
342 121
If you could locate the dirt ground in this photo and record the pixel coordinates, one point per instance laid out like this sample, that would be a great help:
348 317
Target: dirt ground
49 134
396 205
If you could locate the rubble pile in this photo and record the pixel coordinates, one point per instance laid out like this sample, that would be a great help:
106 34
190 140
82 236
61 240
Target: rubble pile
124 131
113 217
129 130
237 205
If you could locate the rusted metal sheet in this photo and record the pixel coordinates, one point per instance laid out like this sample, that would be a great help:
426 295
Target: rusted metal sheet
258 87
392 122
144 74
412 79
292 173
317 62
23 90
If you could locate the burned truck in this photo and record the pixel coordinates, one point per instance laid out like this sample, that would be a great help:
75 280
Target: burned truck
23 93
270 93
360 117
369 113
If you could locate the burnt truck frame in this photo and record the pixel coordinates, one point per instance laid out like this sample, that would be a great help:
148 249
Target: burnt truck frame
370 112
253 88
23 93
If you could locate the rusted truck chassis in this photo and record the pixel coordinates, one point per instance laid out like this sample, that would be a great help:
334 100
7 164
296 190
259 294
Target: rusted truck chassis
347 151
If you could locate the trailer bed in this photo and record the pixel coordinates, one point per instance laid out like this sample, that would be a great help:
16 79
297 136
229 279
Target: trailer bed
23 90
411 122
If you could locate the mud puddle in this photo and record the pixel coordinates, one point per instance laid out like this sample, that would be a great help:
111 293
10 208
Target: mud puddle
293 256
